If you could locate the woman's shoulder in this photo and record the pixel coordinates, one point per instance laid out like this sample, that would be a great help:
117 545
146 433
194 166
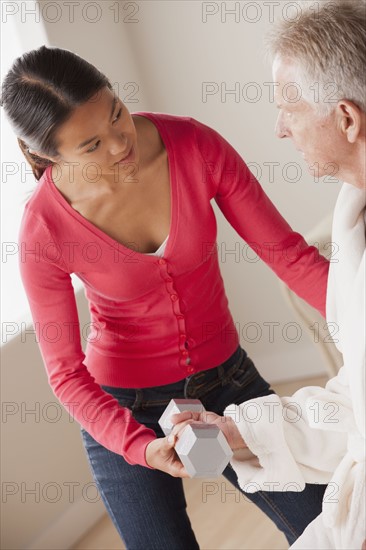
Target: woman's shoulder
161 117
176 122
37 212
186 128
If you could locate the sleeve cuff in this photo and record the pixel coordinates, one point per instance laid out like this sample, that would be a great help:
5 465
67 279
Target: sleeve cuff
139 447
260 424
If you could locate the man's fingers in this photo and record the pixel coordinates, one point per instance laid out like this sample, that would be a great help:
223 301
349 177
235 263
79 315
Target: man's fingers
185 415
204 416
211 417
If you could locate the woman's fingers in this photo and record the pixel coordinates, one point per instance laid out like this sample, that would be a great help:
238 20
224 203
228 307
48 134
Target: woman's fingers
161 455
176 468
180 427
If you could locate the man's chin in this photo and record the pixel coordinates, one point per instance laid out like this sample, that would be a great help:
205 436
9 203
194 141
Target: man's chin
318 172
315 169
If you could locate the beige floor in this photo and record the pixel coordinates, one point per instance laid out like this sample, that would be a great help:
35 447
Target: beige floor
221 520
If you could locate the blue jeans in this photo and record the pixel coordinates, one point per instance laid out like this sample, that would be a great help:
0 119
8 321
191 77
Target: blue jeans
148 507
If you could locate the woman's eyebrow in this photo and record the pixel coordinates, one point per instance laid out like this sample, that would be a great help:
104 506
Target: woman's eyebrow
87 141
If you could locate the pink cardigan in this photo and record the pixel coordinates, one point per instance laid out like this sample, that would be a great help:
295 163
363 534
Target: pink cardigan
154 320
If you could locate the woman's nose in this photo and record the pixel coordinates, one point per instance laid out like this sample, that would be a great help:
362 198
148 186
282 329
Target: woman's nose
118 144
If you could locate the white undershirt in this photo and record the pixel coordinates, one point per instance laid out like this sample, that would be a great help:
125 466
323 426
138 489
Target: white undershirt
160 250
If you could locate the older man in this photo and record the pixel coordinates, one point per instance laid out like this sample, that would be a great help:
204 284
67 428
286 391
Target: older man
318 434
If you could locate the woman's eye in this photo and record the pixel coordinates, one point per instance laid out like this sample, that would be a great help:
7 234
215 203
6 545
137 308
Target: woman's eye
92 149
117 116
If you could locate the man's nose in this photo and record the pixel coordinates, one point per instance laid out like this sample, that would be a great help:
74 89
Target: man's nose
281 129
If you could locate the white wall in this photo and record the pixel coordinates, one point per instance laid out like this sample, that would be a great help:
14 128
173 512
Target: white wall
48 494
16 180
159 54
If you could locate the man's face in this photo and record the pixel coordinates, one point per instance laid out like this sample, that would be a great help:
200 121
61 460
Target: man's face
316 137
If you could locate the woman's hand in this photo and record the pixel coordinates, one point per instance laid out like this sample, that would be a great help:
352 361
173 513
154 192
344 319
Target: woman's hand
160 454
224 423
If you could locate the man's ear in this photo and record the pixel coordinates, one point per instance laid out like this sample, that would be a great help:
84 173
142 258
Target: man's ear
349 118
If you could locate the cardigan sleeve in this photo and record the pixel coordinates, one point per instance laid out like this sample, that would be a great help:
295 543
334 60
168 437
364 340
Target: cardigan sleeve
255 218
297 440
52 303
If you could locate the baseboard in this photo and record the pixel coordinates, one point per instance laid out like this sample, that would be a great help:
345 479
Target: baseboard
70 527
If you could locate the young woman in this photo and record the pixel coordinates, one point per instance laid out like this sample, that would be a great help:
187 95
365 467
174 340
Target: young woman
123 201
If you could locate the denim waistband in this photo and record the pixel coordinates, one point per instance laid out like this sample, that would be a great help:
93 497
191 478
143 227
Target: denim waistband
191 387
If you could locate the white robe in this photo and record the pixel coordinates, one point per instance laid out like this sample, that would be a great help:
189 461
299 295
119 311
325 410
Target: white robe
318 434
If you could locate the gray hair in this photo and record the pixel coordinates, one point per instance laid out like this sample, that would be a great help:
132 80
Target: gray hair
327 40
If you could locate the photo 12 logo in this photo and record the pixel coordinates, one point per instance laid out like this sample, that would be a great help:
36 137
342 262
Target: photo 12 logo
70 12
252 12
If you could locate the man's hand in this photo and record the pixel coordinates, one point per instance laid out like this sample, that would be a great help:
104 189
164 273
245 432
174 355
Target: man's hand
224 423
160 454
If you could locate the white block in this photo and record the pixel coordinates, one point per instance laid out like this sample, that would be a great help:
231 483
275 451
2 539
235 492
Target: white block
177 406
203 450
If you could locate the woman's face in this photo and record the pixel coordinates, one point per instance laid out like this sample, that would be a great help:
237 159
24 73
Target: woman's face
97 137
